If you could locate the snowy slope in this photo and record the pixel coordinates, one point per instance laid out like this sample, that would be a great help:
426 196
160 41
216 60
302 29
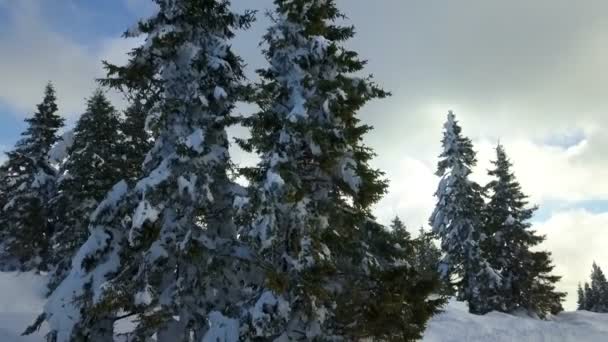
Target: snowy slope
457 325
21 299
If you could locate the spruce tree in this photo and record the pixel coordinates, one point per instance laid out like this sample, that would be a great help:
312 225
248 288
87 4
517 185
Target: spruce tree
457 220
590 298
136 138
93 166
28 181
580 302
509 244
399 229
428 255
600 286
329 272
595 296
162 250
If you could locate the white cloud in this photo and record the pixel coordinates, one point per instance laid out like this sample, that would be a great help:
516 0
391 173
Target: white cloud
33 53
576 238
549 172
410 196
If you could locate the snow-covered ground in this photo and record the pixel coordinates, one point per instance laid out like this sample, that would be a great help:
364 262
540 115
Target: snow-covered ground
457 325
21 299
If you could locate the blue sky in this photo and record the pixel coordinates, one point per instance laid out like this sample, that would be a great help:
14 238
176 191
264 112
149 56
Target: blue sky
529 74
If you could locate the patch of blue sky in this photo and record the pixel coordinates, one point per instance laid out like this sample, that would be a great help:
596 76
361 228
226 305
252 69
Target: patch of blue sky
548 209
11 126
86 21
565 139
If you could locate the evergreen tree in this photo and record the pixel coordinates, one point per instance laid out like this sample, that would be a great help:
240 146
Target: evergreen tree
458 222
428 255
581 298
590 297
93 166
400 230
163 249
329 272
599 286
595 296
510 240
27 183
137 140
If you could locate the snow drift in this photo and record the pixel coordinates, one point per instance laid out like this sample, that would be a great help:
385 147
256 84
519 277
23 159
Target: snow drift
22 299
457 325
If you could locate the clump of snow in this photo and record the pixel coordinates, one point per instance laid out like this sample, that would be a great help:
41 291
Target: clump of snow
21 300
268 306
143 297
221 329
195 141
116 194
456 324
144 212
350 174
219 93
59 151
273 180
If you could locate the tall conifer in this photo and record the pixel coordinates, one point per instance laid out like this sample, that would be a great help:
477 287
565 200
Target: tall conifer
329 271
457 219
509 246
94 164
28 181
163 250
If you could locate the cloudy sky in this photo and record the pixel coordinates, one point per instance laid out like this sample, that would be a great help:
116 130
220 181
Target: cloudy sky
529 74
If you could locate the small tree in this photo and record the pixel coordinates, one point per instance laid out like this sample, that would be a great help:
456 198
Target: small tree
93 166
399 229
581 298
594 297
428 255
28 181
457 220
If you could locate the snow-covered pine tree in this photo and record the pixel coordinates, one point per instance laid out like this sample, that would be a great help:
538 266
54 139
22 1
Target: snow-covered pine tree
136 138
162 251
510 240
457 220
94 164
330 272
27 184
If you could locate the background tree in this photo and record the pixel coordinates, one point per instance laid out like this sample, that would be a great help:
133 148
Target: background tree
27 184
580 302
457 220
93 166
594 297
311 194
428 255
137 138
399 229
510 242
